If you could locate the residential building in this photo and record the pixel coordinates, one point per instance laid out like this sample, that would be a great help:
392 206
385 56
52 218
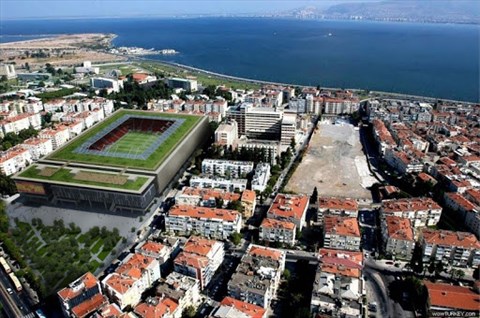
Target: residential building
110 84
270 147
472 222
185 290
17 123
200 259
59 135
233 308
460 205
398 237
14 160
156 307
420 211
445 298
341 233
257 277
227 133
338 278
227 168
403 162
189 85
8 70
288 207
155 250
136 274
38 147
272 230
208 222
249 202
230 185
289 125
82 297
461 249
257 122
261 177
205 197
336 206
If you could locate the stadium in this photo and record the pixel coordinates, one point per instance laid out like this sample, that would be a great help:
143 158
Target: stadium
120 164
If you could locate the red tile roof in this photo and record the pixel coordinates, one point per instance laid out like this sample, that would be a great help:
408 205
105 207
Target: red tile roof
191 260
399 228
203 212
455 297
88 280
156 308
260 251
338 204
249 196
409 204
277 224
451 238
251 310
88 306
289 206
199 245
344 226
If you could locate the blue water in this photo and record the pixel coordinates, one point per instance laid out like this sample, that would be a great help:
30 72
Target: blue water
437 60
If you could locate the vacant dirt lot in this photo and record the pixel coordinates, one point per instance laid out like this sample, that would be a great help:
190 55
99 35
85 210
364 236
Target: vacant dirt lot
334 163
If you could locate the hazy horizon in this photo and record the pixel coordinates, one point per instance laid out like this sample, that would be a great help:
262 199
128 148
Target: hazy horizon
28 9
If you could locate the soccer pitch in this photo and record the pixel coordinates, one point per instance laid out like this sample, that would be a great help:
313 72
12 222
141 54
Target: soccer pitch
132 143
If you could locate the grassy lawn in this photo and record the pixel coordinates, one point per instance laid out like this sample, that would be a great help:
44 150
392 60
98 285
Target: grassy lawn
67 153
65 175
103 254
96 248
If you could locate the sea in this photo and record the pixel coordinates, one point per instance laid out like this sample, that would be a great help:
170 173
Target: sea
436 60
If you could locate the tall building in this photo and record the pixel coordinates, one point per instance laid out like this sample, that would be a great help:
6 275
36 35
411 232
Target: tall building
257 122
227 134
288 207
398 237
190 85
289 125
82 297
341 233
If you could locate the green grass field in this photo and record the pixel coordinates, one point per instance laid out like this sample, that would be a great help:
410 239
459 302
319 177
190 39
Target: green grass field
133 143
65 175
66 153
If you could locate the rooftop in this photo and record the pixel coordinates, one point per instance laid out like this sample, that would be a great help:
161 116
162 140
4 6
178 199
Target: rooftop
199 245
79 286
261 251
451 238
203 212
277 224
338 204
409 204
455 297
289 206
344 226
191 260
156 307
399 228
253 311
248 196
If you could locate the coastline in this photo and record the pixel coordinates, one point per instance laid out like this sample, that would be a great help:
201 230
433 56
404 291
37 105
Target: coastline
262 82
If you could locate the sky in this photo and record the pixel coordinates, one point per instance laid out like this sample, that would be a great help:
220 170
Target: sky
18 9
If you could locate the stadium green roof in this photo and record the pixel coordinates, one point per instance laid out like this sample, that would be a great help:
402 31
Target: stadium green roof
67 152
85 177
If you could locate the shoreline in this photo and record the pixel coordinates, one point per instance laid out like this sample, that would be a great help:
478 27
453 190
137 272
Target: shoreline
262 82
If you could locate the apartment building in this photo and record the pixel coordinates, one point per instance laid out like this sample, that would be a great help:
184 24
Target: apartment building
261 177
227 134
398 237
230 185
461 249
338 278
14 124
208 222
185 290
459 204
227 168
155 250
82 297
341 233
271 147
420 211
38 147
336 206
289 125
153 307
136 274
200 259
288 207
249 202
230 307
444 298
272 230
257 277
205 197
14 160
59 135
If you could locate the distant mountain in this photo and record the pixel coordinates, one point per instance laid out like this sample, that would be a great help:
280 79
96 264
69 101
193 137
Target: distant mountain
447 11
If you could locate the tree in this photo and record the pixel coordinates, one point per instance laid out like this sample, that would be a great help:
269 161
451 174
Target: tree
236 238
286 274
314 196
439 268
293 144
431 267
189 312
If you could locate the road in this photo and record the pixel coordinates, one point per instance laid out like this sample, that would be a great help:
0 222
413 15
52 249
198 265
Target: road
14 304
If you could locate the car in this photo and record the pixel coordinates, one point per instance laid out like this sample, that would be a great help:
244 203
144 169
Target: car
389 263
9 290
